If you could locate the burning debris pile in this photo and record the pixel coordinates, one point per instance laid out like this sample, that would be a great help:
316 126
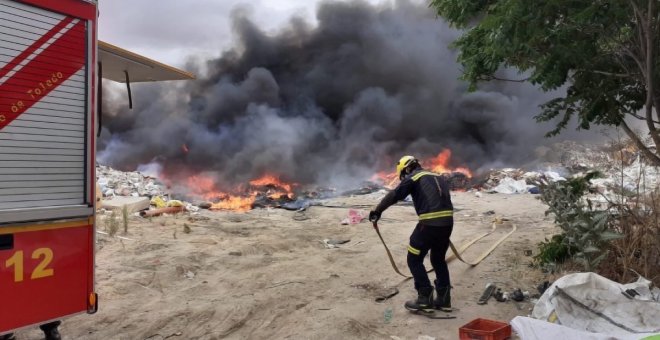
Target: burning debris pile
265 191
206 191
201 189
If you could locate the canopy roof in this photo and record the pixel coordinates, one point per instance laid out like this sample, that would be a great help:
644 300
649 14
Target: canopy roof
115 60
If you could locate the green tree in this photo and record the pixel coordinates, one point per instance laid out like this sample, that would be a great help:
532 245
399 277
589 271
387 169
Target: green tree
604 52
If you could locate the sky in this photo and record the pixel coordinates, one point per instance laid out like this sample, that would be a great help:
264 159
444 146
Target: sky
171 31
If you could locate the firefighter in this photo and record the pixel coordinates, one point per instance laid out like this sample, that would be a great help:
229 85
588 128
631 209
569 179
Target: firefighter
432 200
49 329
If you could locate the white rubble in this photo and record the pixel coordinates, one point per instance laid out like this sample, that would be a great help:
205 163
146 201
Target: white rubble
622 168
510 186
118 183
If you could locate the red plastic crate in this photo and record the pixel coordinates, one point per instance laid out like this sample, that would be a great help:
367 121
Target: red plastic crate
484 329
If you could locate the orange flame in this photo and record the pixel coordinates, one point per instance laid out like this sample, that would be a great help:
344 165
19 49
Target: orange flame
238 198
388 179
271 180
438 164
204 186
201 185
235 203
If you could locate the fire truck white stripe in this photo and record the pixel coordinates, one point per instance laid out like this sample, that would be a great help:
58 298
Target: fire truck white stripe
32 12
42 152
38 51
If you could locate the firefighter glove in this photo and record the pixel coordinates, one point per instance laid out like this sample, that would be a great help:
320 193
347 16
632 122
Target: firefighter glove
374 216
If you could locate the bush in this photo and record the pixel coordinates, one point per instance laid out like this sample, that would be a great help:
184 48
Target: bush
112 223
552 252
638 251
586 231
124 217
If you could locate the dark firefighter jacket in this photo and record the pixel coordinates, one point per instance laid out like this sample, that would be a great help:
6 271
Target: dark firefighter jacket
430 194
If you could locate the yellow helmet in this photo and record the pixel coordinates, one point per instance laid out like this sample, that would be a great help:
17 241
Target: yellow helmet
404 162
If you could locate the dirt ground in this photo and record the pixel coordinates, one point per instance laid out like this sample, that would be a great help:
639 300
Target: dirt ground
266 274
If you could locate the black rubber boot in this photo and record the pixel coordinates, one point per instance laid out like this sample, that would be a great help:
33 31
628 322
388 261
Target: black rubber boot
50 330
443 299
9 336
424 302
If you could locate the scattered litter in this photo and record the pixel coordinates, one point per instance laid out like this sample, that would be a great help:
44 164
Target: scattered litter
488 292
189 275
510 186
387 315
517 295
331 243
235 253
175 203
543 287
162 211
336 242
192 208
499 296
425 337
297 205
158 202
386 293
553 176
354 217
477 194
205 205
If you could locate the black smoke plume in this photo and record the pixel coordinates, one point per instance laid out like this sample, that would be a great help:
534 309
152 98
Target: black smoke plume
328 103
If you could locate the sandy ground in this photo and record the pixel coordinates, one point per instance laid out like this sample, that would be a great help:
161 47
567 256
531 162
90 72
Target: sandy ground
266 274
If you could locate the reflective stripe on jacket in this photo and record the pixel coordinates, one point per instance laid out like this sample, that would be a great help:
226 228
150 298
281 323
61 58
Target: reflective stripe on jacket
430 194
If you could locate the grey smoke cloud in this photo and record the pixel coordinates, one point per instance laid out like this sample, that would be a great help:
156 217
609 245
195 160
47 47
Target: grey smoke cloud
327 103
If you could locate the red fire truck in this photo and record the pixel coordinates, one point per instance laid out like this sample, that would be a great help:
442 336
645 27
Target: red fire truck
50 69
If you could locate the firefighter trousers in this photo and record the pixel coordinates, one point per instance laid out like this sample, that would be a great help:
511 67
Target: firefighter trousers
436 240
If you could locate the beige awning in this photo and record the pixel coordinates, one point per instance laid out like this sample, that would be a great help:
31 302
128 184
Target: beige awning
116 60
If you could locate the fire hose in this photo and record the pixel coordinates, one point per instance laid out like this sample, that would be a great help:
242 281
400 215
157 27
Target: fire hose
456 252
